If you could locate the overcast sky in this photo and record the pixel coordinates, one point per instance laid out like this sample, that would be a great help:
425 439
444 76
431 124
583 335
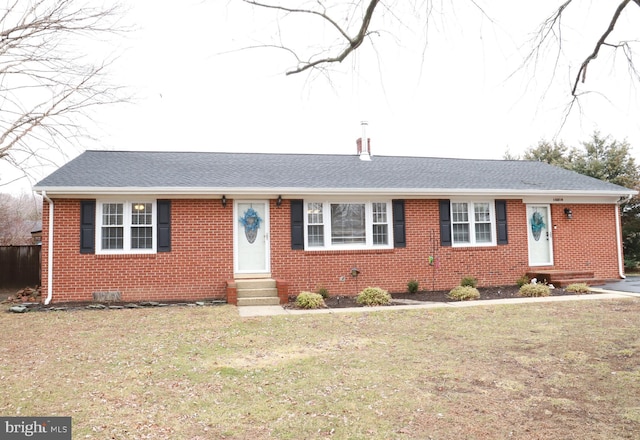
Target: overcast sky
453 90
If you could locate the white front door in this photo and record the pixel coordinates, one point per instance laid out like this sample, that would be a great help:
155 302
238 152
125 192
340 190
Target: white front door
540 236
251 236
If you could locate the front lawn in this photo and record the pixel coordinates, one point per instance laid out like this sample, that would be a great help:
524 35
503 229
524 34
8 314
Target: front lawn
531 371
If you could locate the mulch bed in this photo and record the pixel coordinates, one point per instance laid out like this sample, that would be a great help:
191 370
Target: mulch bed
486 293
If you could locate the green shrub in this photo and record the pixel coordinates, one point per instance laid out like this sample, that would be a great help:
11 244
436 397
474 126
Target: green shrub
412 286
578 288
323 292
464 293
522 280
630 264
535 290
469 282
310 300
373 296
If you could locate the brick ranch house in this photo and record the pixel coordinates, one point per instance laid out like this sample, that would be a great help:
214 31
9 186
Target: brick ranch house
172 226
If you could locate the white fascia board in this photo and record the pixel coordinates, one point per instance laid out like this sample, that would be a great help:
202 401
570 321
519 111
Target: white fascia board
574 200
418 193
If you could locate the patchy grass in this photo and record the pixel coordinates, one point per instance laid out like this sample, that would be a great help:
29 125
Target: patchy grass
533 371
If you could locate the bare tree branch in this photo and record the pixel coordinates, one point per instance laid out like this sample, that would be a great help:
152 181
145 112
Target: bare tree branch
547 48
322 14
352 43
581 76
48 79
548 44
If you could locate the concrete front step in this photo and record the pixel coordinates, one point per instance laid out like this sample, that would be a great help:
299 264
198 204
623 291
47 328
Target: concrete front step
257 292
253 293
257 283
259 301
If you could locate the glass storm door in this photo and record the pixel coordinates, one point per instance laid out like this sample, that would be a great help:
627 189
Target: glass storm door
540 237
251 236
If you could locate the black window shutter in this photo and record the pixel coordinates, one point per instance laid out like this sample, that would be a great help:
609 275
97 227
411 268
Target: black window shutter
87 226
445 223
164 225
501 221
297 224
399 235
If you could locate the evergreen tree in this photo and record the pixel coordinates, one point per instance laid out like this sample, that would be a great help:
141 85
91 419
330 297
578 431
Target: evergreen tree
556 153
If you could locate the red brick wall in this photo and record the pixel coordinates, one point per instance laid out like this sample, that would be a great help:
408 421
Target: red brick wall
587 242
199 264
201 259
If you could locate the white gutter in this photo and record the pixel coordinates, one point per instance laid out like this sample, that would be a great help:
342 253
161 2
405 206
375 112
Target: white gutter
302 191
49 251
619 241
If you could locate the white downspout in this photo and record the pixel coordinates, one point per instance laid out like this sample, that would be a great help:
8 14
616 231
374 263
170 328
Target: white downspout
619 241
49 251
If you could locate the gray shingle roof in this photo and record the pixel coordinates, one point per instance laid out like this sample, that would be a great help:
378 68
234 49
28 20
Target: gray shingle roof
101 171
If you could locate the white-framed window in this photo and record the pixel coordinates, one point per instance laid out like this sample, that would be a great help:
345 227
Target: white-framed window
380 223
473 223
331 225
315 224
125 227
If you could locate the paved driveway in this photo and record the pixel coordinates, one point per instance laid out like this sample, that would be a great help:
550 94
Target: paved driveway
630 284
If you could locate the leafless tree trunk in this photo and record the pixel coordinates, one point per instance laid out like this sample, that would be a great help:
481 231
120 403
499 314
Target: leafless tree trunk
48 80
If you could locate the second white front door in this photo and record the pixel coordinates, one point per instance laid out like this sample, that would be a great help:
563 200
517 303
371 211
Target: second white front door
540 236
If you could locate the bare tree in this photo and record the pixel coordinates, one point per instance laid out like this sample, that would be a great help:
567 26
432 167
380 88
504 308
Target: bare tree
352 23
48 79
19 214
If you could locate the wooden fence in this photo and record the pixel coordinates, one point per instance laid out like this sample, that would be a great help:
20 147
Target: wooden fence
20 266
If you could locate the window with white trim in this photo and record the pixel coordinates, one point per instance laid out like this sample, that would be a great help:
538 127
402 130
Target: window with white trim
347 225
380 224
472 223
126 227
112 226
315 224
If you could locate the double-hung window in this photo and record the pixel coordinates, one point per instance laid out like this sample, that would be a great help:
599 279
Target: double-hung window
315 221
347 225
473 223
126 227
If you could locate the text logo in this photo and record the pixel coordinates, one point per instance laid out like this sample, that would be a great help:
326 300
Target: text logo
35 428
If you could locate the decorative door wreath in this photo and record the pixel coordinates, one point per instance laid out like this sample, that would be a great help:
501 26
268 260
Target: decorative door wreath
537 223
251 222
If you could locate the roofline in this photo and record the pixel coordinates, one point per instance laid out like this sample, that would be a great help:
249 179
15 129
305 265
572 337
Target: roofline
306 154
400 192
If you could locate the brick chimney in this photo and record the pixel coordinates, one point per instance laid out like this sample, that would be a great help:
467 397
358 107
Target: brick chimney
364 152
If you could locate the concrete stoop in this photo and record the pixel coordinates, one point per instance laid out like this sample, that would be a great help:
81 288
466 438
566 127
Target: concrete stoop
257 292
